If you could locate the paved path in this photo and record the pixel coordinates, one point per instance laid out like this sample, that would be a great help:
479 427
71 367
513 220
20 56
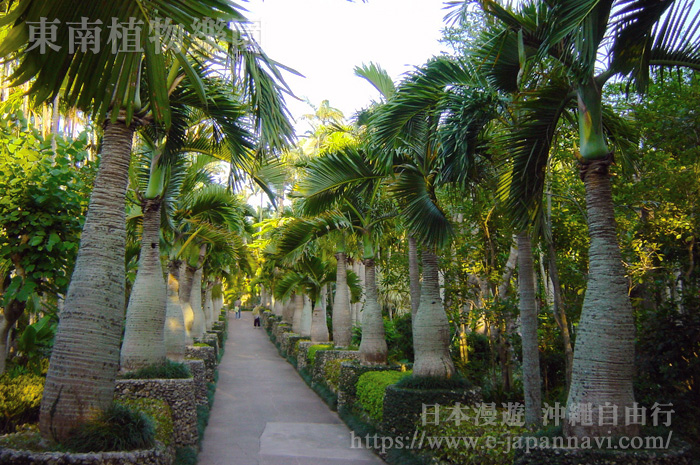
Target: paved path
264 413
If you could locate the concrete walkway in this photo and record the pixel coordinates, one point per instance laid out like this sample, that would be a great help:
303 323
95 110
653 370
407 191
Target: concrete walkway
264 413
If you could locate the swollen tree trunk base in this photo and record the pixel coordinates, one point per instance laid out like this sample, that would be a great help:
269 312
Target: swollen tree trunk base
175 337
144 342
319 326
342 324
431 330
602 375
373 348
85 356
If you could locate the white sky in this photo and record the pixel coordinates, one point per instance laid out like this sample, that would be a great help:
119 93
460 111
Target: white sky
325 39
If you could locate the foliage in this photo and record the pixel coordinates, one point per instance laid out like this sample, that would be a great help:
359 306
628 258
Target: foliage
159 412
185 456
166 370
43 198
399 338
429 382
463 454
119 428
371 387
311 353
202 420
331 372
34 346
20 397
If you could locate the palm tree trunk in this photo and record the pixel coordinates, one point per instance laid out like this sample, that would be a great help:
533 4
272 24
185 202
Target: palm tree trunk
175 334
532 385
373 348
185 292
414 275
306 315
85 356
288 310
143 342
208 308
11 314
431 330
319 325
604 355
342 324
298 311
198 324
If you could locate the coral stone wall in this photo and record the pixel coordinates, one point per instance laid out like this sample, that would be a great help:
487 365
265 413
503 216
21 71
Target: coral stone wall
180 396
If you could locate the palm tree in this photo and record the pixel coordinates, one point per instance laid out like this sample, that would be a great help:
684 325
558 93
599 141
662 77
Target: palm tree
569 37
428 133
193 129
342 190
108 85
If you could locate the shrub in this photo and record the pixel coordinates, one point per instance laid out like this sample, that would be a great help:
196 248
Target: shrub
160 413
20 397
118 428
449 426
331 372
430 382
371 387
167 370
185 456
311 353
202 420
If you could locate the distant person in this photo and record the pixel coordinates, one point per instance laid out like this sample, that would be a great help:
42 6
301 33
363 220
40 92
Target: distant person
256 316
237 308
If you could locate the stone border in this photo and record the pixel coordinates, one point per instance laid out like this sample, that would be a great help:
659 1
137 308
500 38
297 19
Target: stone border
178 393
156 456
199 374
210 340
287 343
302 354
207 354
318 371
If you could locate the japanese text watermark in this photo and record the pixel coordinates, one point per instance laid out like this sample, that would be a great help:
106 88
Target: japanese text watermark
90 36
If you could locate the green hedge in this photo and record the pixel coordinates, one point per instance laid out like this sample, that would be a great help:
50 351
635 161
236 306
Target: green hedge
371 387
311 354
500 437
20 398
403 406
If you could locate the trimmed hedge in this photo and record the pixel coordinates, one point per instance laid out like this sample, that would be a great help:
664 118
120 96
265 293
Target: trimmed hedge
451 423
350 372
403 406
371 388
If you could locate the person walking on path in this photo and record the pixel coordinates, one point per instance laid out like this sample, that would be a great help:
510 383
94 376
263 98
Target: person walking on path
256 316
238 309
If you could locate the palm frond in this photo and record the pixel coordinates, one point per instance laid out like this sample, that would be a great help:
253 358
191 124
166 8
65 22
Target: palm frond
419 208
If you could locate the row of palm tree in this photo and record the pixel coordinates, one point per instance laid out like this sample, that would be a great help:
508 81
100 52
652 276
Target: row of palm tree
532 68
128 90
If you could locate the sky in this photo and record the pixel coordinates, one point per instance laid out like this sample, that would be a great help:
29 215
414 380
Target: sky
325 39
